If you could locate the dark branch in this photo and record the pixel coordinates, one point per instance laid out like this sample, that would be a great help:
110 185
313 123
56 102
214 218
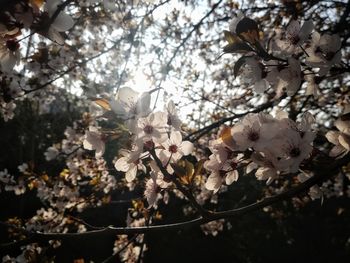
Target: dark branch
201 132
323 172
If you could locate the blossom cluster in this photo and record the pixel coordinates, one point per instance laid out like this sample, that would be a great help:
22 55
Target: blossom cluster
28 14
274 146
155 153
295 53
29 17
151 132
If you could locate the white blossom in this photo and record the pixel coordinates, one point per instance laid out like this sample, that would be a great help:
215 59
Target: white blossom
295 36
175 147
129 104
62 22
341 138
93 141
130 163
152 128
324 52
51 153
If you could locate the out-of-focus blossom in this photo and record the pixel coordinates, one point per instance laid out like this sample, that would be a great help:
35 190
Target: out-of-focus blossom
7 110
9 54
62 22
324 52
252 74
235 20
173 118
51 153
295 36
129 104
286 79
93 141
23 167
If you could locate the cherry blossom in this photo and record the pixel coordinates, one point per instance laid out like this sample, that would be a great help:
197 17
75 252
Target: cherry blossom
130 163
255 130
286 78
252 74
324 52
62 22
175 147
153 127
9 54
153 188
341 138
129 104
255 137
93 141
295 36
293 148
223 169
268 169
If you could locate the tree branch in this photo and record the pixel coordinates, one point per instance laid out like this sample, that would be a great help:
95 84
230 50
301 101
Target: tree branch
324 172
204 213
201 132
195 27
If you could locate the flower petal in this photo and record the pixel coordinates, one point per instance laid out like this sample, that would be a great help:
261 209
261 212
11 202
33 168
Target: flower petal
187 147
63 22
175 138
143 104
130 175
306 30
344 140
332 137
231 177
122 164
214 182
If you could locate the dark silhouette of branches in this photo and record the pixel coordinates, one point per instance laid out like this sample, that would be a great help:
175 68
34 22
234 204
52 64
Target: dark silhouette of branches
323 172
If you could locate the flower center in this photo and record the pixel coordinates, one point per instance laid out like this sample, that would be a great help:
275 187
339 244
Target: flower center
329 55
12 45
169 121
233 165
294 152
294 39
253 136
148 129
222 173
173 148
148 145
